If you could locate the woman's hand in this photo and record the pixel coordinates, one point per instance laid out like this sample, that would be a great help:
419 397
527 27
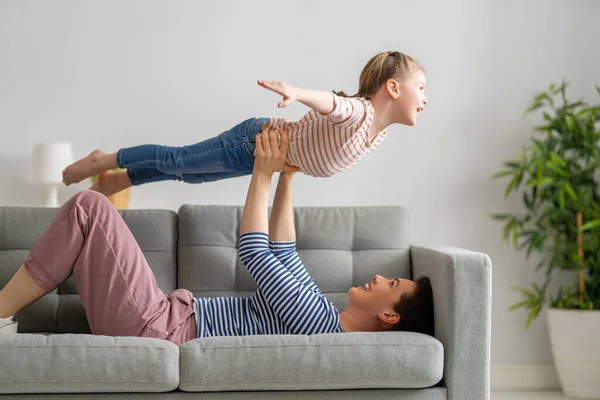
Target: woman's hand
269 158
271 152
289 92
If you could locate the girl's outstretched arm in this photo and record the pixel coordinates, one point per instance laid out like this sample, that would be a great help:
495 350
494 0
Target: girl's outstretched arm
319 100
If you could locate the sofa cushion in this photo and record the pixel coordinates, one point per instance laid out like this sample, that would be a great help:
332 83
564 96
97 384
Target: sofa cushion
33 363
299 362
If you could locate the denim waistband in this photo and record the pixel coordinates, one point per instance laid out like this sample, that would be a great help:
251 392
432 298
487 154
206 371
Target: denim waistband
255 127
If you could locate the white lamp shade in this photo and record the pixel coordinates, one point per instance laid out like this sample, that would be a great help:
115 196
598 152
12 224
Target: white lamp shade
49 160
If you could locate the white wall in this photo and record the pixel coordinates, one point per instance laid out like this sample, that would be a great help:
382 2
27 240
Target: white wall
109 74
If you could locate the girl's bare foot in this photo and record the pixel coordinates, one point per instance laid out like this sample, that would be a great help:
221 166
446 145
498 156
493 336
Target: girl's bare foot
111 182
96 162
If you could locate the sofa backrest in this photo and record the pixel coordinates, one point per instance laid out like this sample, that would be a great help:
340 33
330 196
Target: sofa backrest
61 311
196 249
339 246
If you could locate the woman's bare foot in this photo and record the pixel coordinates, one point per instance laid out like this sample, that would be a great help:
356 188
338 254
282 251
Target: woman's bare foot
111 182
96 162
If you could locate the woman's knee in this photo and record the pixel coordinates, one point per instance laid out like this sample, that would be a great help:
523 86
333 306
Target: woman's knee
91 199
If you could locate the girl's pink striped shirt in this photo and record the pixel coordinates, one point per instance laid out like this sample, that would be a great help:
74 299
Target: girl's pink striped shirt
322 145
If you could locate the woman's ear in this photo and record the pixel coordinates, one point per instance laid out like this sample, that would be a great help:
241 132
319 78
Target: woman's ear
389 317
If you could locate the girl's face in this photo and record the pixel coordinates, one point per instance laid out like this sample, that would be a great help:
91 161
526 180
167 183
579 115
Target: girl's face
379 296
409 98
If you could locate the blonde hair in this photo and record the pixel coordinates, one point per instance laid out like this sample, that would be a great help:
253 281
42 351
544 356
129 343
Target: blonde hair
380 68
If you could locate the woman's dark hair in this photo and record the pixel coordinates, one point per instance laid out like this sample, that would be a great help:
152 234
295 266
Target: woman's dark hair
416 309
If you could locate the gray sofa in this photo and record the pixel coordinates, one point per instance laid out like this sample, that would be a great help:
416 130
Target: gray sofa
54 353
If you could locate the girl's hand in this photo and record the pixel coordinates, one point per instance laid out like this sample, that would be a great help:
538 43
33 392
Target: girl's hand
289 92
271 152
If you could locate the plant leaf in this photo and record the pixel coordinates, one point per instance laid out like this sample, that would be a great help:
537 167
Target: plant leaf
570 191
519 305
502 174
589 225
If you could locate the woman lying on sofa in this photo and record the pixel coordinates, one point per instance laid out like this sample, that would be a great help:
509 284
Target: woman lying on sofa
89 240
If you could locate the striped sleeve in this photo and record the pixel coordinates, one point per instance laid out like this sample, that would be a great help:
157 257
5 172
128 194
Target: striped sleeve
346 111
286 253
303 310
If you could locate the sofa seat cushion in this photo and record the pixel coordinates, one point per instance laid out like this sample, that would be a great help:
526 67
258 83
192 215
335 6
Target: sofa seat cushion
33 363
299 362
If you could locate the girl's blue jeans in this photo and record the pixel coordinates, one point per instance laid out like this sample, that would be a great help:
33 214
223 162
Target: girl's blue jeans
228 155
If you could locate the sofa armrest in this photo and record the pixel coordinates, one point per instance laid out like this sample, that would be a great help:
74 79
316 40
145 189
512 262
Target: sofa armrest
461 282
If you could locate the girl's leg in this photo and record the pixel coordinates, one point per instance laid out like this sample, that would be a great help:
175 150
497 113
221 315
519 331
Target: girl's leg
152 162
110 182
219 155
89 239
228 154
161 162
96 162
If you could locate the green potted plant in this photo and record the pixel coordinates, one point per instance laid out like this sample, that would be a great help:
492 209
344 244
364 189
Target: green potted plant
557 176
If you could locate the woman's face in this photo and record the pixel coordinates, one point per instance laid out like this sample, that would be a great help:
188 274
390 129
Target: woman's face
380 295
